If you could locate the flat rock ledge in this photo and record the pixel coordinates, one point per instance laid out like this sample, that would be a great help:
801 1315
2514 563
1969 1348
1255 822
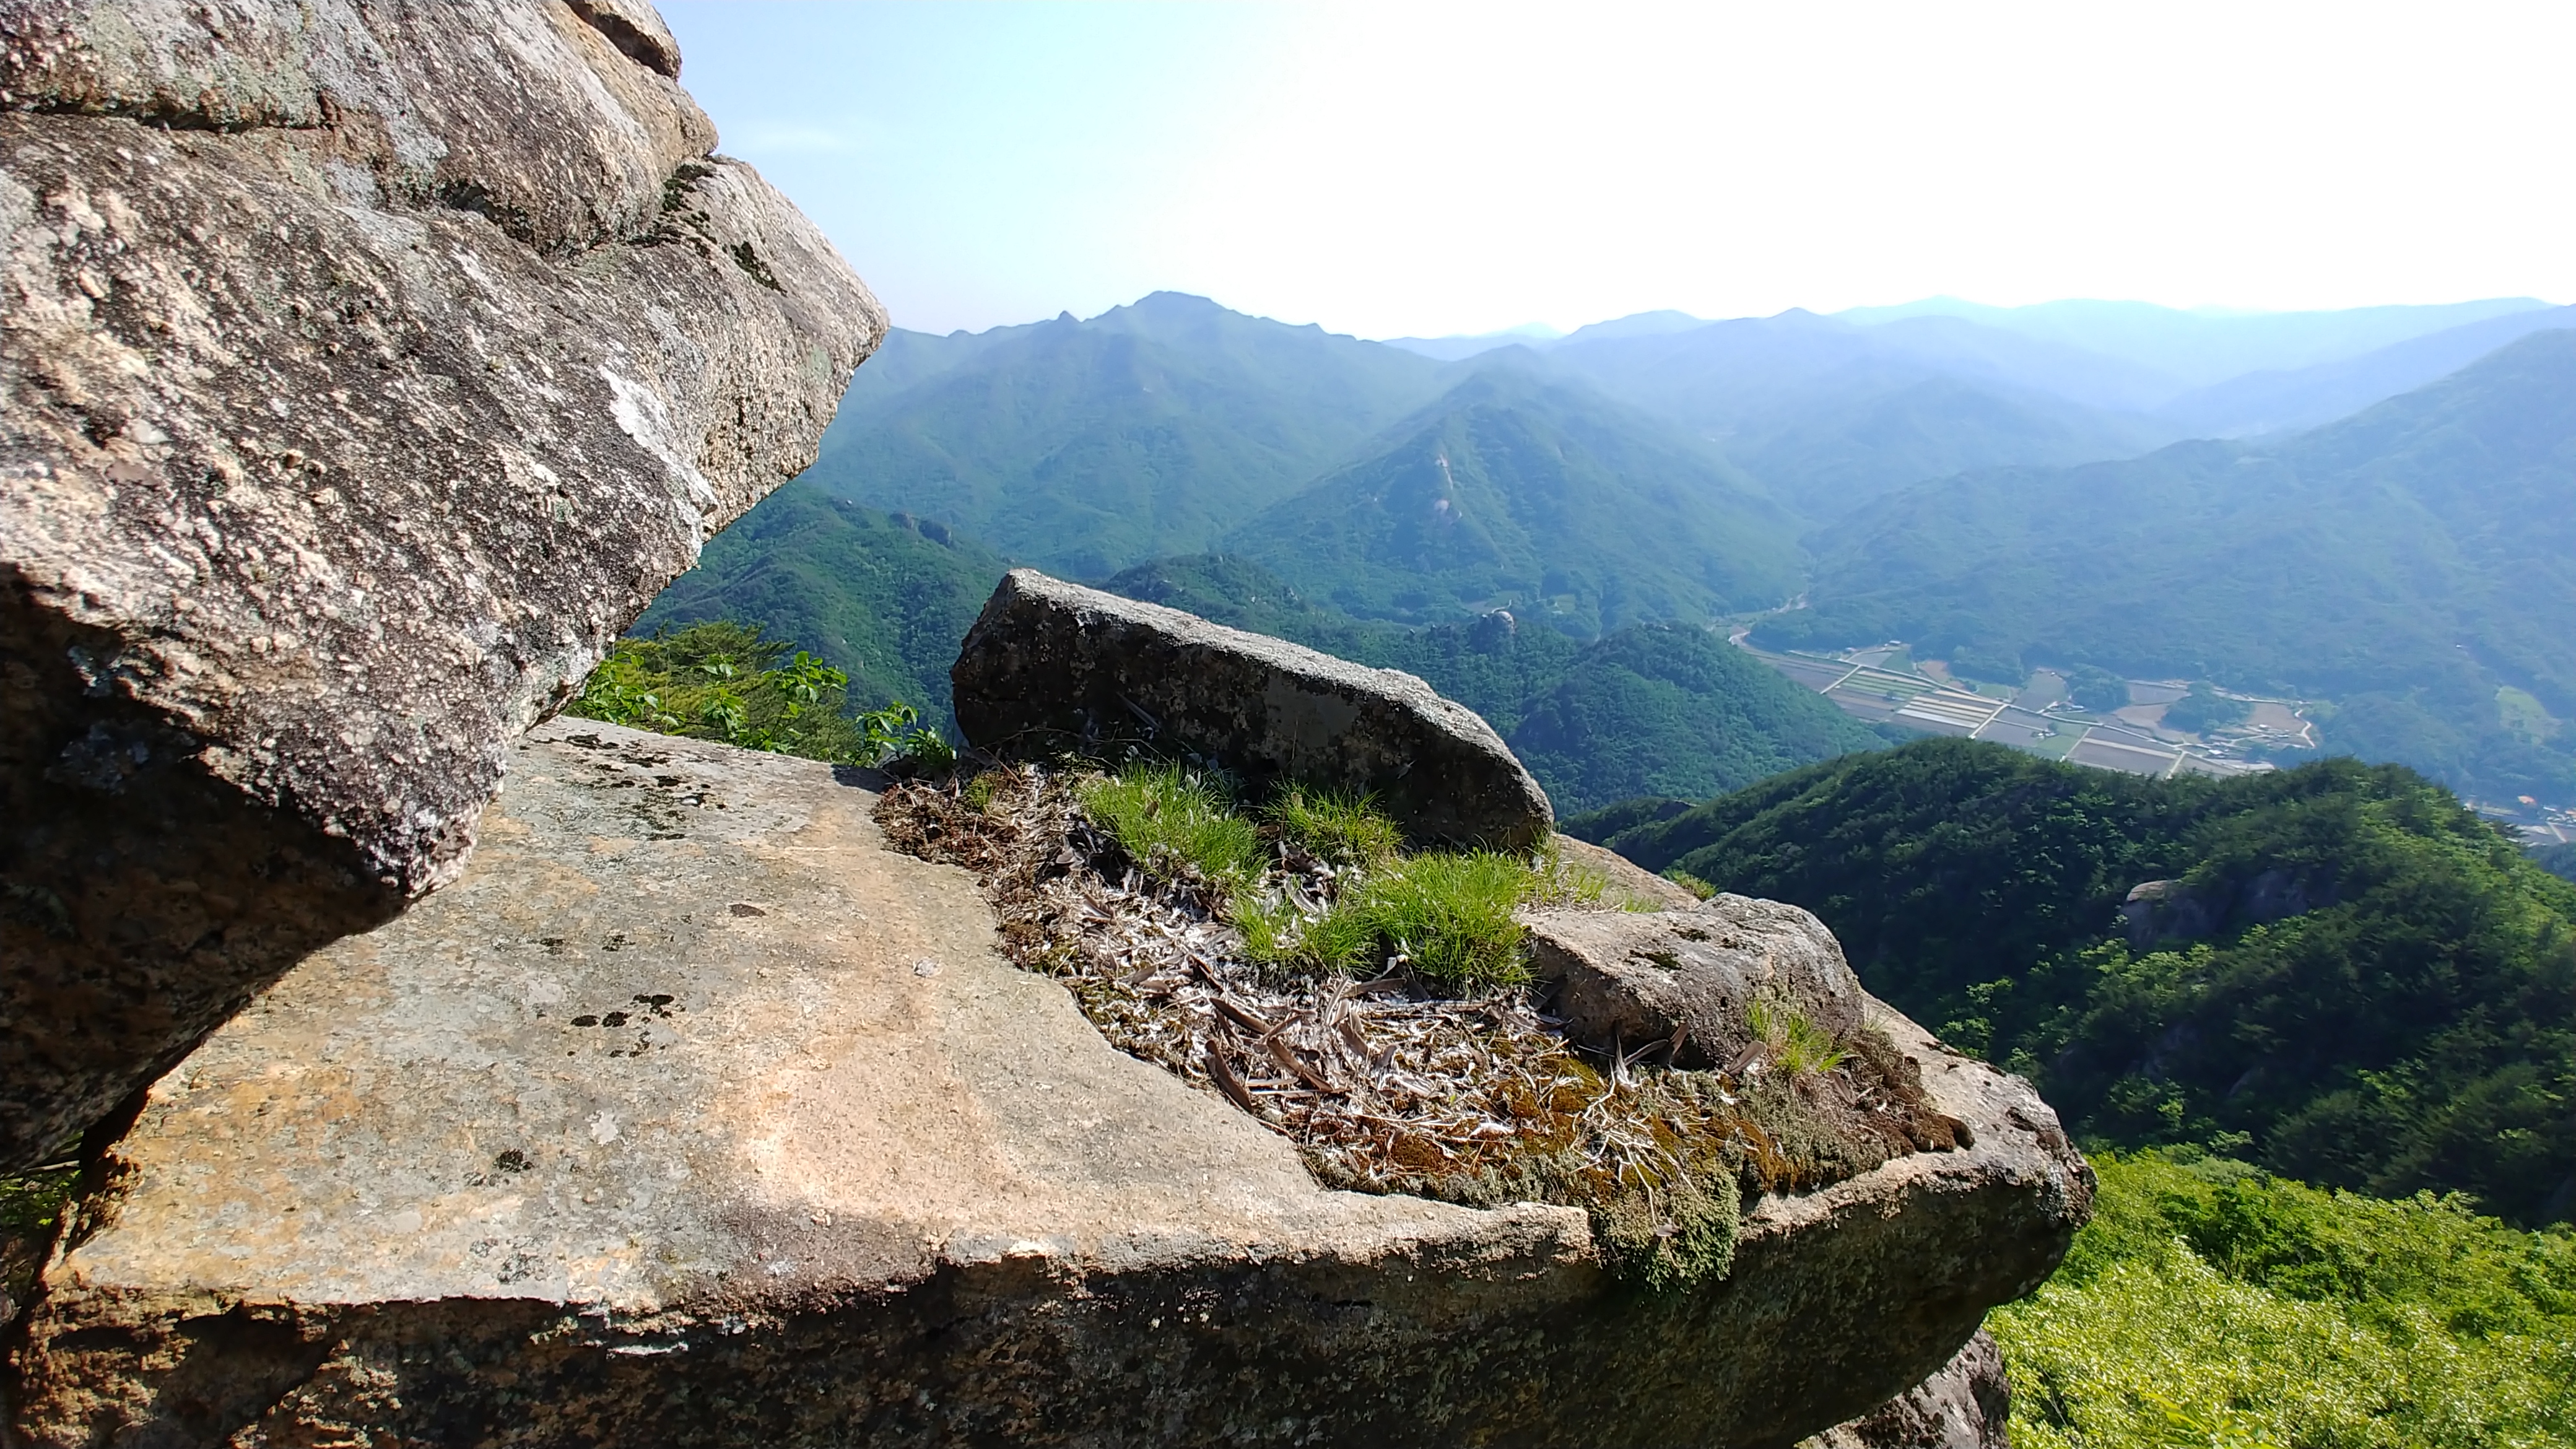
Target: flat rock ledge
694 1115
1051 665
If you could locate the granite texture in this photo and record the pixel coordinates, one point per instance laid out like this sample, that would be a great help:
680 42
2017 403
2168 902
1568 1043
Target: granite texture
366 368
1965 1404
1628 978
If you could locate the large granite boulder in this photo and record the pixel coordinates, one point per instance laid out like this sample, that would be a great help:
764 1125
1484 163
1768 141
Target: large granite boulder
366 367
1624 978
1053 665
694 1115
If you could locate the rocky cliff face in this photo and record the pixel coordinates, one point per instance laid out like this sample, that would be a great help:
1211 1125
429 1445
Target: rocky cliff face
365 368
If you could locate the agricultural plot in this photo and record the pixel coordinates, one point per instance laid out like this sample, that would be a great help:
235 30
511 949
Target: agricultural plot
1876 685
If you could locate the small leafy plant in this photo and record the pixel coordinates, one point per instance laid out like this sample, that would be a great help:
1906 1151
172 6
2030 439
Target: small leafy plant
896 733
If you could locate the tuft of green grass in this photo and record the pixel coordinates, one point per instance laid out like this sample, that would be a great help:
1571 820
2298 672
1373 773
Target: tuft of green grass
1450 915
1176 822
1690 882
1337 826
1796 1043
1560 882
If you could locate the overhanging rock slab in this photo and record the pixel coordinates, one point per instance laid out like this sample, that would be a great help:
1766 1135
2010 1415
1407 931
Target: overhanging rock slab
366 368
692 1115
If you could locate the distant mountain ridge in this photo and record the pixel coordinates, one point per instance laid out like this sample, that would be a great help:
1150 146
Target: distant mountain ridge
1087 445
1661 468
1517 490
2283 401
2199 348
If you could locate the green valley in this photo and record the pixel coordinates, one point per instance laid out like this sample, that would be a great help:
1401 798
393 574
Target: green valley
2405 564
884 597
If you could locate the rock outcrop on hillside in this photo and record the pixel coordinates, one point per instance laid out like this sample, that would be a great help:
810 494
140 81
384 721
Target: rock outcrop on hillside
1055 664
365 368
695 1115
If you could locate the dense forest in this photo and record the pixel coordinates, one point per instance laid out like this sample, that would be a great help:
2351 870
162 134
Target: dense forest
2212 1304
2345 976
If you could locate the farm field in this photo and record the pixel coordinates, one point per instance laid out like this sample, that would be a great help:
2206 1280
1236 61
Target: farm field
1885 685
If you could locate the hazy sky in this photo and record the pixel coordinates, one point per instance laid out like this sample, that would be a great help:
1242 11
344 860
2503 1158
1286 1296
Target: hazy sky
1390 168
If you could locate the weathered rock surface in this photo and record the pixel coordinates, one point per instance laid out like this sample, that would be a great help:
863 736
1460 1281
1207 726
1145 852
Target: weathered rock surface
1642 887
1965 1404
366 367
693 1115
1052 664
1633 978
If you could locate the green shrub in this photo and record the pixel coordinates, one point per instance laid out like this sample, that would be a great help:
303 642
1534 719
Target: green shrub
2210 1304
1177 823
1343 828
723 681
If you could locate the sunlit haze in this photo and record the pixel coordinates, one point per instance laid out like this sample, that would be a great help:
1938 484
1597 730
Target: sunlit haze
1429 169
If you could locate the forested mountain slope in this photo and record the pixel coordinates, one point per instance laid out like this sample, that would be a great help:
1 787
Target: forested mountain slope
1828 415
2281 401
2408 563
1084 446
885 597
1867 431
1518 491
2351 978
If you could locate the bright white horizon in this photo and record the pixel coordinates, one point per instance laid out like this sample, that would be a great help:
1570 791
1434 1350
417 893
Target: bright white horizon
1427 169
